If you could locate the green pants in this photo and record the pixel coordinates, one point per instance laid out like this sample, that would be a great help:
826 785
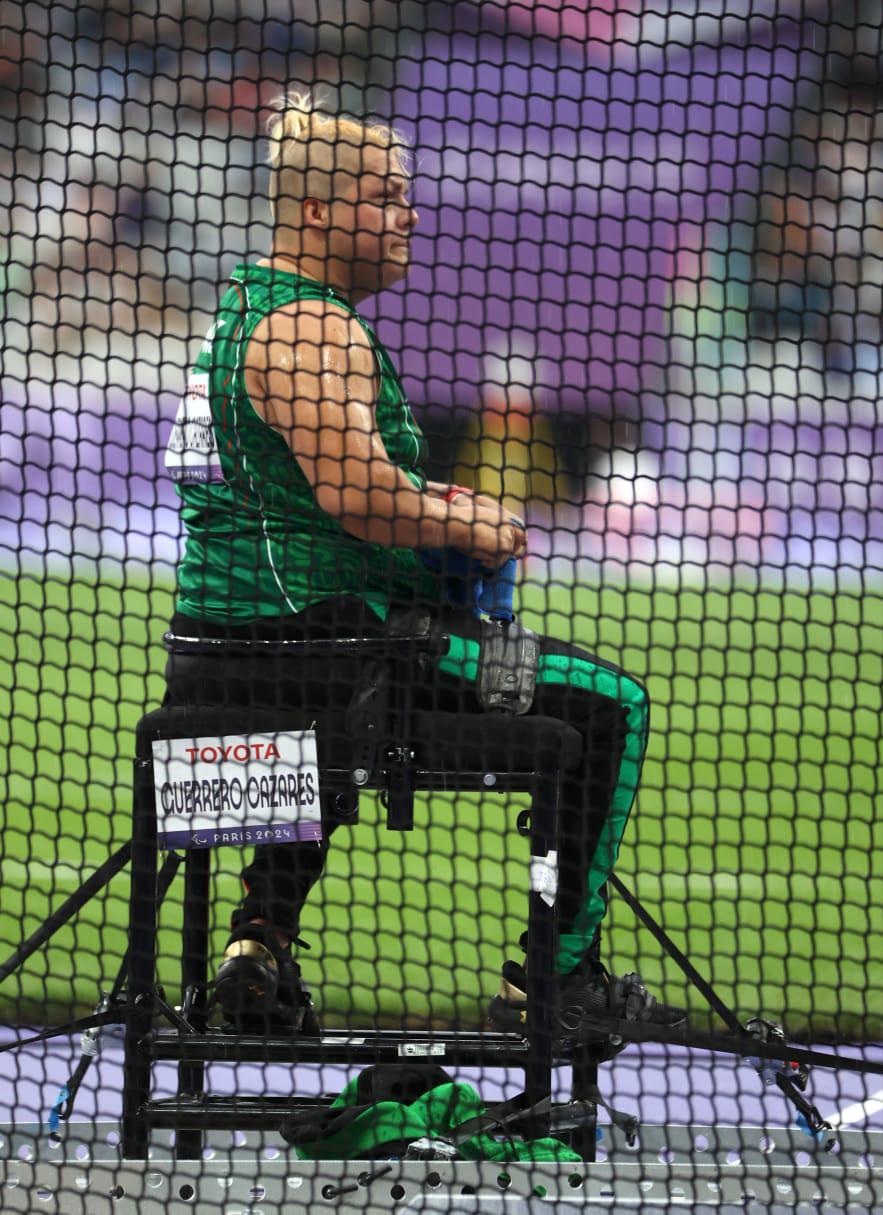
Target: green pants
611 710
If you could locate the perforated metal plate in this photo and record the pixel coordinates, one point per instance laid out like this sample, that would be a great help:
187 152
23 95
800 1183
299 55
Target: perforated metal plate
713 1169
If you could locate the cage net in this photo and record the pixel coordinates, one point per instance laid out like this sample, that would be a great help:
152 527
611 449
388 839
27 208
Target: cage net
614 269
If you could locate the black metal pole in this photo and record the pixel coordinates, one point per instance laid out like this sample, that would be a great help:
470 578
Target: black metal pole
400 772
583 1139
69 908
142 963
541 942
194 973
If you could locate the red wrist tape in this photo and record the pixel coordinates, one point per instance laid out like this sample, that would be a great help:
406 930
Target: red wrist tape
454 491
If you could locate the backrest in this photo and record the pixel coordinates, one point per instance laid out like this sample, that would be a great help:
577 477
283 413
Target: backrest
259 679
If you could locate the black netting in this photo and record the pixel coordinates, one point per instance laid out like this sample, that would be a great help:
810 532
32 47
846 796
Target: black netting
613 269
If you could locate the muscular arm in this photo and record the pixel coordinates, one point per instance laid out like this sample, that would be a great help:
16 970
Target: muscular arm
310 373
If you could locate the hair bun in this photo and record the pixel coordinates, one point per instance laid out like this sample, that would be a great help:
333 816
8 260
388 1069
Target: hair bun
290 121
313 153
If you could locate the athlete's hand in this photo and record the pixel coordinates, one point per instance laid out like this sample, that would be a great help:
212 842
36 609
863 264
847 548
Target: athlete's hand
506 540
490 533
492 504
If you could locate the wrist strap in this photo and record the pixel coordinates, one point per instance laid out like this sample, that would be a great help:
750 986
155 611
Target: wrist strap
454 491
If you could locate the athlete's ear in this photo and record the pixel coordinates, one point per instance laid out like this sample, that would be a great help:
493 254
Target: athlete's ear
316 213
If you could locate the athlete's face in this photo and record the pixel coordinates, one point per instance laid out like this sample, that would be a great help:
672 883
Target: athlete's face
374 221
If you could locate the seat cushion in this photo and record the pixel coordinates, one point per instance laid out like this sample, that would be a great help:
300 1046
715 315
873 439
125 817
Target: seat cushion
449 741
494 741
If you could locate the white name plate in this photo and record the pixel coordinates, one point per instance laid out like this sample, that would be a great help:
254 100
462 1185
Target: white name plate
239 789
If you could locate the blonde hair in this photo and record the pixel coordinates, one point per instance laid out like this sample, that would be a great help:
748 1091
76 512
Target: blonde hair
314 154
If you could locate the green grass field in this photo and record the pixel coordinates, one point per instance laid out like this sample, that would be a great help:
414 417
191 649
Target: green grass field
754 837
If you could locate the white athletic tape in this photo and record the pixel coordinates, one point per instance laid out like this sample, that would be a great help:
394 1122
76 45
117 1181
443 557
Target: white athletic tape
544 877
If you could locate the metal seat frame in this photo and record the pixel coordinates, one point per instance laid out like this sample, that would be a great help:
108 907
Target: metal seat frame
395 771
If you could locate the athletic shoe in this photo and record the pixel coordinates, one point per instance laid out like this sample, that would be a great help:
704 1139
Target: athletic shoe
259 987
588 991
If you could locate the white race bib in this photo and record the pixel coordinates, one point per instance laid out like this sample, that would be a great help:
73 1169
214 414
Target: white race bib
239 789
192 451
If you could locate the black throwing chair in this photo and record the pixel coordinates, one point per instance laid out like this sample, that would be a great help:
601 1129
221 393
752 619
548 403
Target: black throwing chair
383 745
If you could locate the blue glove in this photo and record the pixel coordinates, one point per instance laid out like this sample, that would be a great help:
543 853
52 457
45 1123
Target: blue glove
498 592
471 585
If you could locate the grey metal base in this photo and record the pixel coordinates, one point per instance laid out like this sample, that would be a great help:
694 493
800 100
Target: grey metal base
719 1170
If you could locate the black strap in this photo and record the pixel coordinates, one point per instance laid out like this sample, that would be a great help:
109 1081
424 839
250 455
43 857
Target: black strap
744 1046
367 715
113 1016
68 909
384 647
508 660
498 1117
759 1048
626 1122
699 981
312 1125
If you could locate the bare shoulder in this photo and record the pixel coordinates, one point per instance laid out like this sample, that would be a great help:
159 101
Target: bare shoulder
321 333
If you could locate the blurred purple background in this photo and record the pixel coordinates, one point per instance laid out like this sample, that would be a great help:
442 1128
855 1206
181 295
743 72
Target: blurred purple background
592 208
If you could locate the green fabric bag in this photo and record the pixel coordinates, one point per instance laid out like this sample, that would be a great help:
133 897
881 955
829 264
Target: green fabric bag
434 1115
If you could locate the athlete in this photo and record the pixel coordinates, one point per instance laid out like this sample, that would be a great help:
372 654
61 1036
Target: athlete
306 508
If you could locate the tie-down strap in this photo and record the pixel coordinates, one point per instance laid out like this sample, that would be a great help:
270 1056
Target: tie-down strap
508 659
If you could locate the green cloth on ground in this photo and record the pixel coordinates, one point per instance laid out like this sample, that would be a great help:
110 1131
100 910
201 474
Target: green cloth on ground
434 1115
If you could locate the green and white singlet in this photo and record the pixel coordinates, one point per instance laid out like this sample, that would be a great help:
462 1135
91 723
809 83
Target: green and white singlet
257 543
